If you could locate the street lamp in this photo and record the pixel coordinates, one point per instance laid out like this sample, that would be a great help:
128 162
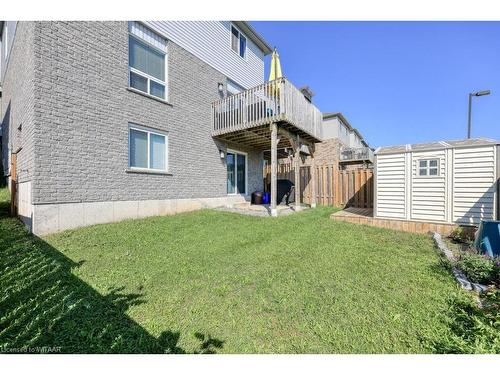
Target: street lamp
479 93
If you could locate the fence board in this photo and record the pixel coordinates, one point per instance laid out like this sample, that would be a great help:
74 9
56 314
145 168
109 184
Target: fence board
347 188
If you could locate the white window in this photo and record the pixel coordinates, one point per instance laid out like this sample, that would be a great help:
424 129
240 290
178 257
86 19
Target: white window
428 167
148 149
147 61
238 42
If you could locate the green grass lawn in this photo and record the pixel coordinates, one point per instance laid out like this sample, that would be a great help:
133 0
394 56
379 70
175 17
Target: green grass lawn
220 282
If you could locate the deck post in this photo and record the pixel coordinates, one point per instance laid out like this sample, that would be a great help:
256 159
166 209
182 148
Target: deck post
297 176
313 177
274 167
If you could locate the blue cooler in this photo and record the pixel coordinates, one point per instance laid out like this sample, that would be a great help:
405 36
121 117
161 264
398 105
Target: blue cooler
488 238
266 198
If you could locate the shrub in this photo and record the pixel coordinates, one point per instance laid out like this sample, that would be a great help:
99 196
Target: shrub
477 267
463 235
497 271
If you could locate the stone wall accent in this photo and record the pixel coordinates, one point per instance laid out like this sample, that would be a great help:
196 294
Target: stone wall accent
458 274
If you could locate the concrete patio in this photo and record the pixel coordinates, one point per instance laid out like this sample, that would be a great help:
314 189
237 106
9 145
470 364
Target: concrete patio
262 209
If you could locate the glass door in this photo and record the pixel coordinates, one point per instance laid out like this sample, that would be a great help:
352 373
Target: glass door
236 173
231 173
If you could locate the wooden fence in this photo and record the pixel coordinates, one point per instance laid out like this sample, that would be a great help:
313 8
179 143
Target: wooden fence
346 188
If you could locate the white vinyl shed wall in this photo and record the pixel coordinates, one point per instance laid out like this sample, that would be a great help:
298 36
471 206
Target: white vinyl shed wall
463 192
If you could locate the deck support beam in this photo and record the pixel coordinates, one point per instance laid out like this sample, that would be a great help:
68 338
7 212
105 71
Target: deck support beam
274 168
297 174
313 176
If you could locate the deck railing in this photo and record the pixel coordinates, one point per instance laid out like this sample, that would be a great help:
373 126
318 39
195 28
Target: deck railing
355 154
277 100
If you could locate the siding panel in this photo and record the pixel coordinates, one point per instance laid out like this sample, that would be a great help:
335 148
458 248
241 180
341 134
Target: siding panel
390 187
474 184
210 42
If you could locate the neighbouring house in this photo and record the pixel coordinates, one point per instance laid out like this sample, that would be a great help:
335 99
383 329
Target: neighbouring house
452 182
104 121
345 142
341 145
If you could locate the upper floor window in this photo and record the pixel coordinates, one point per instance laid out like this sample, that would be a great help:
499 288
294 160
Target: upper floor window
147 61
428 167
238 42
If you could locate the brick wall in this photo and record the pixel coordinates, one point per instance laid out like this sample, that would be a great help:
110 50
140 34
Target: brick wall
18 103
328 152
83 109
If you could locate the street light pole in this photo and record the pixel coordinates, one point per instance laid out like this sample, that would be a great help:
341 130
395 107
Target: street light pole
469 126
479 93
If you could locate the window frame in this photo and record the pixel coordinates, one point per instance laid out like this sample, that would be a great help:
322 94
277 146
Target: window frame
244 57
236 153
148 131
428 168
148 77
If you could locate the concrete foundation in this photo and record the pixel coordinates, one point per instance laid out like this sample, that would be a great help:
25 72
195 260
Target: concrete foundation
52 218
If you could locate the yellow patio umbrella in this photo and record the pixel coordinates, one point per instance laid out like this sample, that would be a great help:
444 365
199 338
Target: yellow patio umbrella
275 73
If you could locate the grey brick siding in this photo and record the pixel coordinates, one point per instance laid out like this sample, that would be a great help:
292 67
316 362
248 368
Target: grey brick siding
18 103
83 110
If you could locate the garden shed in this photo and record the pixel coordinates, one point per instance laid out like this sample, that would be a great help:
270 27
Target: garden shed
451 182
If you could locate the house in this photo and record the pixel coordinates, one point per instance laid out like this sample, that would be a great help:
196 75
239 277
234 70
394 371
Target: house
451 182
341 144
340 138
104 121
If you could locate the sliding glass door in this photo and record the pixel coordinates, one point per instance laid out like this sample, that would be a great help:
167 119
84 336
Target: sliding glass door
236 173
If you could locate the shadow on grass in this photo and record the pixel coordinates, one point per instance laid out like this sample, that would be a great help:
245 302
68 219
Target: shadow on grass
45 308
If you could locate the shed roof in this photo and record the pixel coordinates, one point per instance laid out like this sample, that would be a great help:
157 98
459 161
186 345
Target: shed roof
437 145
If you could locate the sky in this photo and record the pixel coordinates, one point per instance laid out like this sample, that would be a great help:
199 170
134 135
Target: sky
397 82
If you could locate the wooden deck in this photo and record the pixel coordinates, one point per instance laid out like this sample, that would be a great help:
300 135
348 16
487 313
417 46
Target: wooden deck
365 216
245 118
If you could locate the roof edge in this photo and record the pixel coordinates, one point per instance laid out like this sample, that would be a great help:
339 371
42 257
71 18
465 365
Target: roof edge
254 35
328 115
432 146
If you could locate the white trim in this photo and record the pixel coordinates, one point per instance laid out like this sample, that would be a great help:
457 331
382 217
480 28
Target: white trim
231 25
235 152
449 177
148 77
408 186
149 131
